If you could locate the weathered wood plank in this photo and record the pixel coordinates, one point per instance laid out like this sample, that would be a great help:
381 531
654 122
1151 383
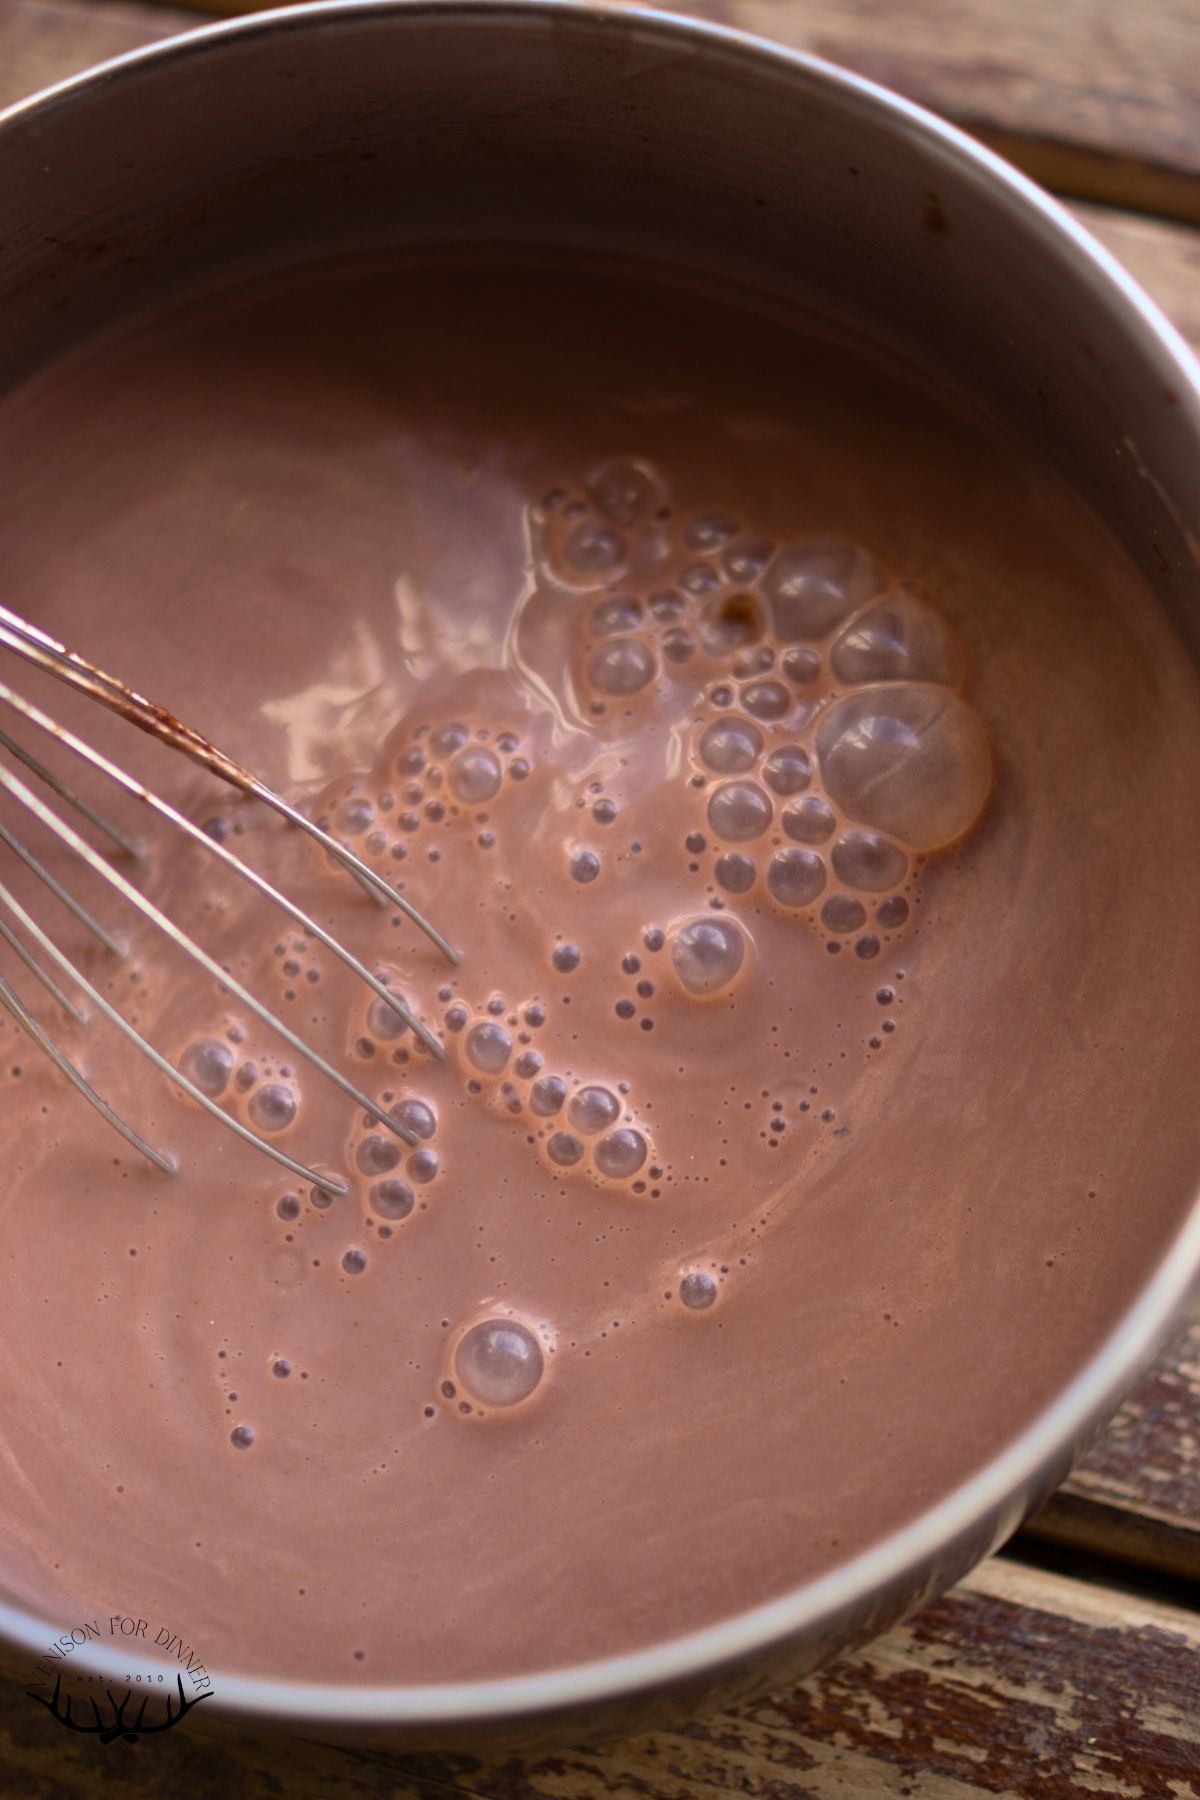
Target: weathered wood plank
1020 1683
44 41
1136 1495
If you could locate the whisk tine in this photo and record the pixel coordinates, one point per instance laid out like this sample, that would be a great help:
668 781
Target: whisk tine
62 894
44 1042
35 969
13 785
44 652
82 807
42 720
30 1025
37 648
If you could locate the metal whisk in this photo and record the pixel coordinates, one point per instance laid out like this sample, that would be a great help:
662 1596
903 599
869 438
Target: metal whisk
20 930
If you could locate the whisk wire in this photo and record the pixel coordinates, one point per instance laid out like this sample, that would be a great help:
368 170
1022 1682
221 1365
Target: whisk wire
45 653
36 716
29 1024
13 785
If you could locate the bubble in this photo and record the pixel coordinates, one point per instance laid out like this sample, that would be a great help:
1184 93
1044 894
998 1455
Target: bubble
842 913
813 585
354 1262
422 1166
417 1116
677 646
738 811
527 1065
666 606
499 1362
594 549
322 1198
892 912
474 775
593 1108
621 490
746 560
707 954
754 661
910 761
565 958
411 761
788 770
863 860
281 1368
584 866
242 1436
735 872
621 667
449 738
709 532
355 815
697 1290
901 639
621 1153
376 1155
209 1064
273 1107
287 1207
766 699
802 667
392 1199
546 1096
730 623
604 811
795 877
731 745
489 1047
565 1149
620 613
809 821
700 580
867 947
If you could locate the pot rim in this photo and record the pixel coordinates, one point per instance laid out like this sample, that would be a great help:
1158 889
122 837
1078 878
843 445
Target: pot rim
994 1499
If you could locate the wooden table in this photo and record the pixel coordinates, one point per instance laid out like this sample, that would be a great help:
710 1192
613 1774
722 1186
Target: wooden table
1070 1664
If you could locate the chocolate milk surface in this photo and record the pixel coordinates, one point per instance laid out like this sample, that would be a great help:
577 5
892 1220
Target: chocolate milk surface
808 782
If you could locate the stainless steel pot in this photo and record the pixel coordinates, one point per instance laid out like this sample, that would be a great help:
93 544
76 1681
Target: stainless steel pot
340 124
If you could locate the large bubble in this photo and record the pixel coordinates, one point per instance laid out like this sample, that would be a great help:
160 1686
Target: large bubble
620 667
208 1063
795 877
707 954
863 860
489 1047
910 761
499 1362
901 639
621 1154
474 775
592 1108
813 585
739 811
731 745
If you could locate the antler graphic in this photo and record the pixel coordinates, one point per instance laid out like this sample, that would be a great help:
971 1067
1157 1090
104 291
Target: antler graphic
118 1726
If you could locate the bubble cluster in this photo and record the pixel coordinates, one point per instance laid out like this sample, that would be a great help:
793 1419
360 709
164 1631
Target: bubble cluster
390 1170
833 745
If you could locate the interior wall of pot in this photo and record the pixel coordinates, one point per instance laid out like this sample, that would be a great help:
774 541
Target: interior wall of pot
531 124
